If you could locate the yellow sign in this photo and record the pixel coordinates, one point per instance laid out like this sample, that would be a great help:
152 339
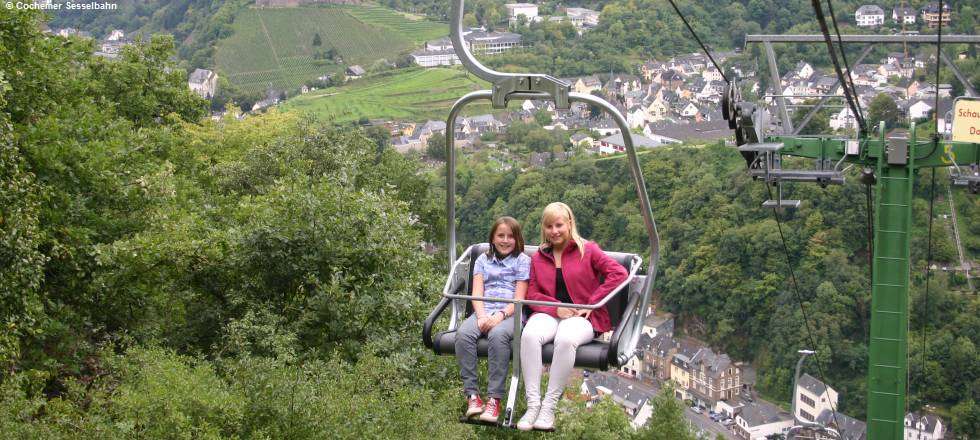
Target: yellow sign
966 121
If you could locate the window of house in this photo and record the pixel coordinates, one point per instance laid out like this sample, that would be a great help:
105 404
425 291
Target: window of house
806 415
807 400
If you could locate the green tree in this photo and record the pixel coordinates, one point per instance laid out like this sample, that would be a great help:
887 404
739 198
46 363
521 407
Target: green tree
542 118
436 147
667 420
316 40
966 419
883 109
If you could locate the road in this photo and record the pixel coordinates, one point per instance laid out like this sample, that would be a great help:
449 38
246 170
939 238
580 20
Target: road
702 422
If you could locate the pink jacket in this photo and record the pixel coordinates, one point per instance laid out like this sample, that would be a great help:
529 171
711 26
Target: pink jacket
581 275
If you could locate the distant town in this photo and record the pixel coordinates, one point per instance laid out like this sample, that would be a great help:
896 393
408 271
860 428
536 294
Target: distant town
665 102
720 393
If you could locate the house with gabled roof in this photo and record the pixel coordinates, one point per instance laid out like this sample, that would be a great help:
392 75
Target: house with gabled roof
848 427
203 82
671 79
869 16
931 15
586 84
714 378
652 68
921 426
355 72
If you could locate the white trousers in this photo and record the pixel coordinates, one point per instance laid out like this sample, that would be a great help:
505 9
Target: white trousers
567 335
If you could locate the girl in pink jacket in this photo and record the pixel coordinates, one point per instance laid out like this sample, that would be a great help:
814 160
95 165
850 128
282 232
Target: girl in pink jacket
565 269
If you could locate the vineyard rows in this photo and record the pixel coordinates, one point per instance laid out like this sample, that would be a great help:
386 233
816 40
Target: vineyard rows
252 58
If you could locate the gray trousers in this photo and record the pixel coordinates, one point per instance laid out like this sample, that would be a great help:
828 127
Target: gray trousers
498 358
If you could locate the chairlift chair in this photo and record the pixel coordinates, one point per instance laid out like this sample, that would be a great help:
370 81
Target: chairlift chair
626 304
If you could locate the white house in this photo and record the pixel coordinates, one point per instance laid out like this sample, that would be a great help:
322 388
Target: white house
203 82
758 420
919 110
924 427
903 15
711 74
690 110
115 35
528 10
636 117
843 120
582 18
615 143
869 16
813 397
432 58
803 70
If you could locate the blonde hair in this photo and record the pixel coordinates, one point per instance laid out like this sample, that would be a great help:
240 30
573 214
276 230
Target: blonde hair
559 209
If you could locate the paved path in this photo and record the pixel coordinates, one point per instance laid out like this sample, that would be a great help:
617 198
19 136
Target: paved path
964 263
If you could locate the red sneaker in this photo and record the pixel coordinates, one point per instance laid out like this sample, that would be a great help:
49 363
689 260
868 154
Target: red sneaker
474 405
492 411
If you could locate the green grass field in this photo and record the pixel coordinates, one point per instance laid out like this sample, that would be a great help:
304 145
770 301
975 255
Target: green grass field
412 94
275 46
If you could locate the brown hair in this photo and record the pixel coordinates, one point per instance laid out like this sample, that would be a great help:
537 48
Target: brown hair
515 228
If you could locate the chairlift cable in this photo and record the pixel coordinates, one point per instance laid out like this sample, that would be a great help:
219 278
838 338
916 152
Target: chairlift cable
843 55
939 54
848 92
932 190
935 109
799 300
705 49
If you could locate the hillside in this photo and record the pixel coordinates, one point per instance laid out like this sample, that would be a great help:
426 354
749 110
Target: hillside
414 93
277 46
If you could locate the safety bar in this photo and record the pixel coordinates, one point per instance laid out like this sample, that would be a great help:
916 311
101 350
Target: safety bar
634 267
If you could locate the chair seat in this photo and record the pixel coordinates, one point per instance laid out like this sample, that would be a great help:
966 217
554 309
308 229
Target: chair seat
593 355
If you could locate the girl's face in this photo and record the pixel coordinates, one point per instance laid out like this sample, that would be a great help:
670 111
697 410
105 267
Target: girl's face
557 231
503 239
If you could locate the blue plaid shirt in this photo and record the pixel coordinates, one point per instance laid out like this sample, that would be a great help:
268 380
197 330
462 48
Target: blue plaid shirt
500 277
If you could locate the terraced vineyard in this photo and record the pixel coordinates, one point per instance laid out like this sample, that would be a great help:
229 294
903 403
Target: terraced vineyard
275 46
418 29
413 94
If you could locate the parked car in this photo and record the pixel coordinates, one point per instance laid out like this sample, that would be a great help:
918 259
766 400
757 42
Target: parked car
727 422
697 409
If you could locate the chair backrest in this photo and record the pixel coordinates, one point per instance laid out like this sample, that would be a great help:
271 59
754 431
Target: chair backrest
616 306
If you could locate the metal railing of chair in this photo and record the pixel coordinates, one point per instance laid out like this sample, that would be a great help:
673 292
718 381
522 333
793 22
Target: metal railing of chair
634 268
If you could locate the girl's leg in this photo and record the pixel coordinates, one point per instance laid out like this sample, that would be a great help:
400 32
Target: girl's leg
571 333
540 330
498 360
466 355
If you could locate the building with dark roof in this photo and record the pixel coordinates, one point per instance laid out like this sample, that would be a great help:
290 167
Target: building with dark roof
919 426
760 419
848 427
714 377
